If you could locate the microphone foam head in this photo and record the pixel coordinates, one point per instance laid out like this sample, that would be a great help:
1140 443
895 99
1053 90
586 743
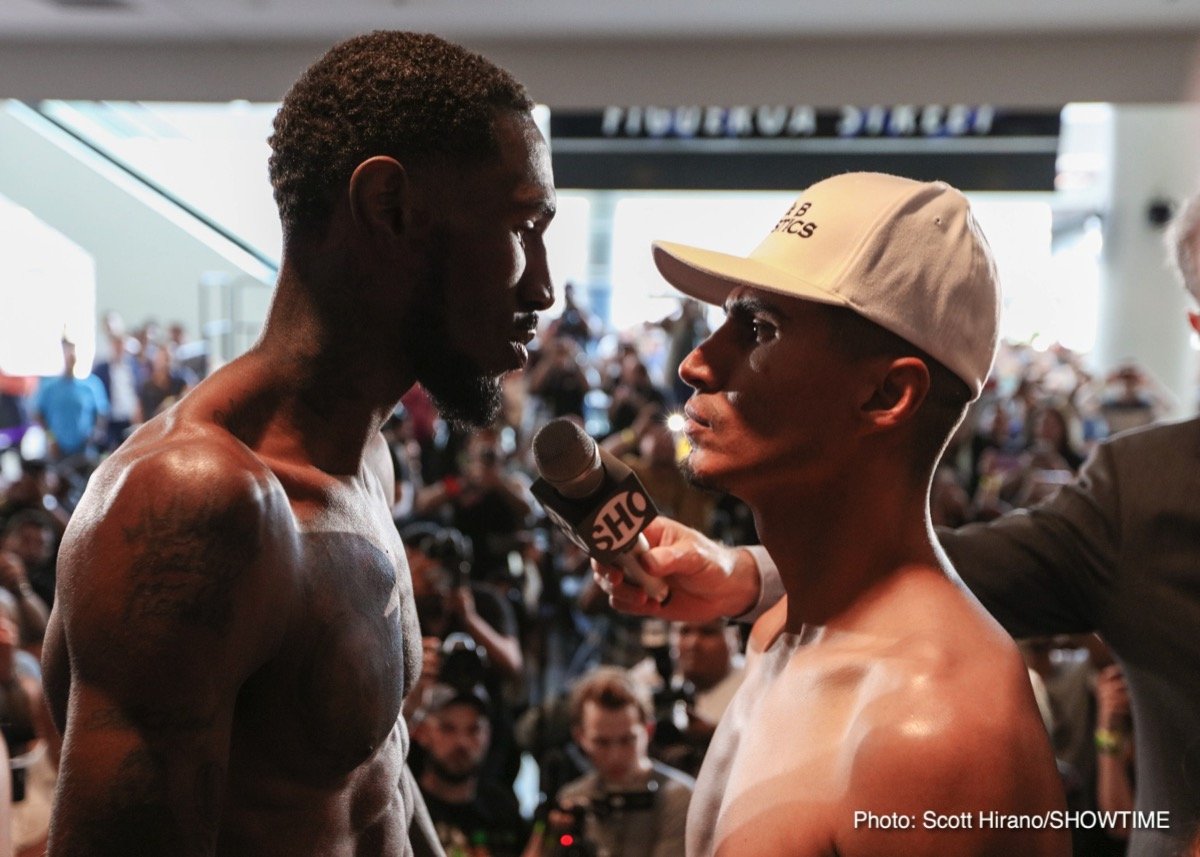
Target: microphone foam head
563 451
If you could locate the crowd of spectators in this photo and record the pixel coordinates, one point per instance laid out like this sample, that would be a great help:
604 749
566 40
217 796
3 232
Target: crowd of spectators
511 620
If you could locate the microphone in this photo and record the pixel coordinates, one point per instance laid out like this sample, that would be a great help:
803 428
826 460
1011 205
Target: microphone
596 499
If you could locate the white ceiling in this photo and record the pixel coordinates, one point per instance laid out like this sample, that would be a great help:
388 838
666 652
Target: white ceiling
284 20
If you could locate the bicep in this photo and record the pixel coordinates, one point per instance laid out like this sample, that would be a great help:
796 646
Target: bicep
143 778
164 611
148 724
926 768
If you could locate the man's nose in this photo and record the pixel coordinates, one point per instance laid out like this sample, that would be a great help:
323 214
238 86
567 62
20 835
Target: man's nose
700 370
536 287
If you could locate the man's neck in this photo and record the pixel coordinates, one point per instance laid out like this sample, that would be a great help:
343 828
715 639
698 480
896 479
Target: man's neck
836 544
337 388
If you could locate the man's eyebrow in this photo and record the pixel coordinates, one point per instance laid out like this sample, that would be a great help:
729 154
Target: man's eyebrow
537 204
746 305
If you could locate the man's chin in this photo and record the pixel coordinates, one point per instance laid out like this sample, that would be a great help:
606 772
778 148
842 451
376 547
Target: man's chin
455 771
469 403
697 477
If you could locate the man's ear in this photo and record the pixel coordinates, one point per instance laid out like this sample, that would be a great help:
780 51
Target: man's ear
380 195
899 391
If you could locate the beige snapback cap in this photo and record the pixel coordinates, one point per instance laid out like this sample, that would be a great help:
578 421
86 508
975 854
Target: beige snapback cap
907 255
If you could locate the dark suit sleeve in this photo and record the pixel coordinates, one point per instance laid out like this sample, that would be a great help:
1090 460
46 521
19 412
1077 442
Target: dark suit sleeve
1046 570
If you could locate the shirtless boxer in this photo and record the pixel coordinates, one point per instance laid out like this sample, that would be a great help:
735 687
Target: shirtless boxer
882 713
235 629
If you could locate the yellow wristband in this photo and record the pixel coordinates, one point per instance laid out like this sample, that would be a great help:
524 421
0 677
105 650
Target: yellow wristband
1108 742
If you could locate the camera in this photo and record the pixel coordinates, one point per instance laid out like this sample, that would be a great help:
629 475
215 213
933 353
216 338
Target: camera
448 547
615 803
463 664
671 706
573 840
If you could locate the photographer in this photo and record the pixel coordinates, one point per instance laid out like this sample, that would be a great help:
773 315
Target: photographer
704 670
488 502
629 806
469 633
440 559
472 814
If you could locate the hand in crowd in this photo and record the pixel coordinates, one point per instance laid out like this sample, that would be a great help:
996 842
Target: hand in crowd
1112 700
462 603
431 664
12 571
707 580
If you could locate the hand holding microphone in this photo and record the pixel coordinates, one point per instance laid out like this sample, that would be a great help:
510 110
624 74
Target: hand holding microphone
596 499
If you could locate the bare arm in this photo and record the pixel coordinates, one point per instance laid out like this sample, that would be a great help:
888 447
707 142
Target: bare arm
1114 746
948 766
162 608
952 784
503 651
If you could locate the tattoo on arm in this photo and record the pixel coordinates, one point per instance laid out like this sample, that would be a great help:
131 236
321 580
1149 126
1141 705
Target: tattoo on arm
188 559
155 720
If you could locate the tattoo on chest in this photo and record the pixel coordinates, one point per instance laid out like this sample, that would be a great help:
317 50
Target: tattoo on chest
187 560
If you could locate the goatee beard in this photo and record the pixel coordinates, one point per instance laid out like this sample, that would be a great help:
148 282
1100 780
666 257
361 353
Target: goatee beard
451 776
696 480
468 401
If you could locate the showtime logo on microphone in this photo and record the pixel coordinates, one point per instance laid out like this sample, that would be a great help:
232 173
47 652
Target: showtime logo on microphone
620 521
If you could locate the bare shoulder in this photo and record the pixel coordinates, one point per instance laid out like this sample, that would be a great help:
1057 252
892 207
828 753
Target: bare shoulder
953 734
178 541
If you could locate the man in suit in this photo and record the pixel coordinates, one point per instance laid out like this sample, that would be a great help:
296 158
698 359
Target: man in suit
121 376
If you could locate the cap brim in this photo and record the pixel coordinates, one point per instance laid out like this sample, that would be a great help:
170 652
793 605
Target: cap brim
710 276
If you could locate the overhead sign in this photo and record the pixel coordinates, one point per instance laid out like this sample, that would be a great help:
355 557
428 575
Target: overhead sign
786 147
771 121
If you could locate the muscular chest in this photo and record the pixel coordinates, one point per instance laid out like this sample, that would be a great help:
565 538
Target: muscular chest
331 699
777 771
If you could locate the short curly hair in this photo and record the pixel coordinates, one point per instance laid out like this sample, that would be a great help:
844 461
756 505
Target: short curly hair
406 95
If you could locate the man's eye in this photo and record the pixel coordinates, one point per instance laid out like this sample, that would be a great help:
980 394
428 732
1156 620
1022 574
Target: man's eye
763 330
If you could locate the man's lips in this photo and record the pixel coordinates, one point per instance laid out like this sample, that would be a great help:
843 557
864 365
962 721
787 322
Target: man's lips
694 416
524 328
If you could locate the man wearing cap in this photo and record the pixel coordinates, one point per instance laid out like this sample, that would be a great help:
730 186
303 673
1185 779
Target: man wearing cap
1113 552
882 712
472 815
